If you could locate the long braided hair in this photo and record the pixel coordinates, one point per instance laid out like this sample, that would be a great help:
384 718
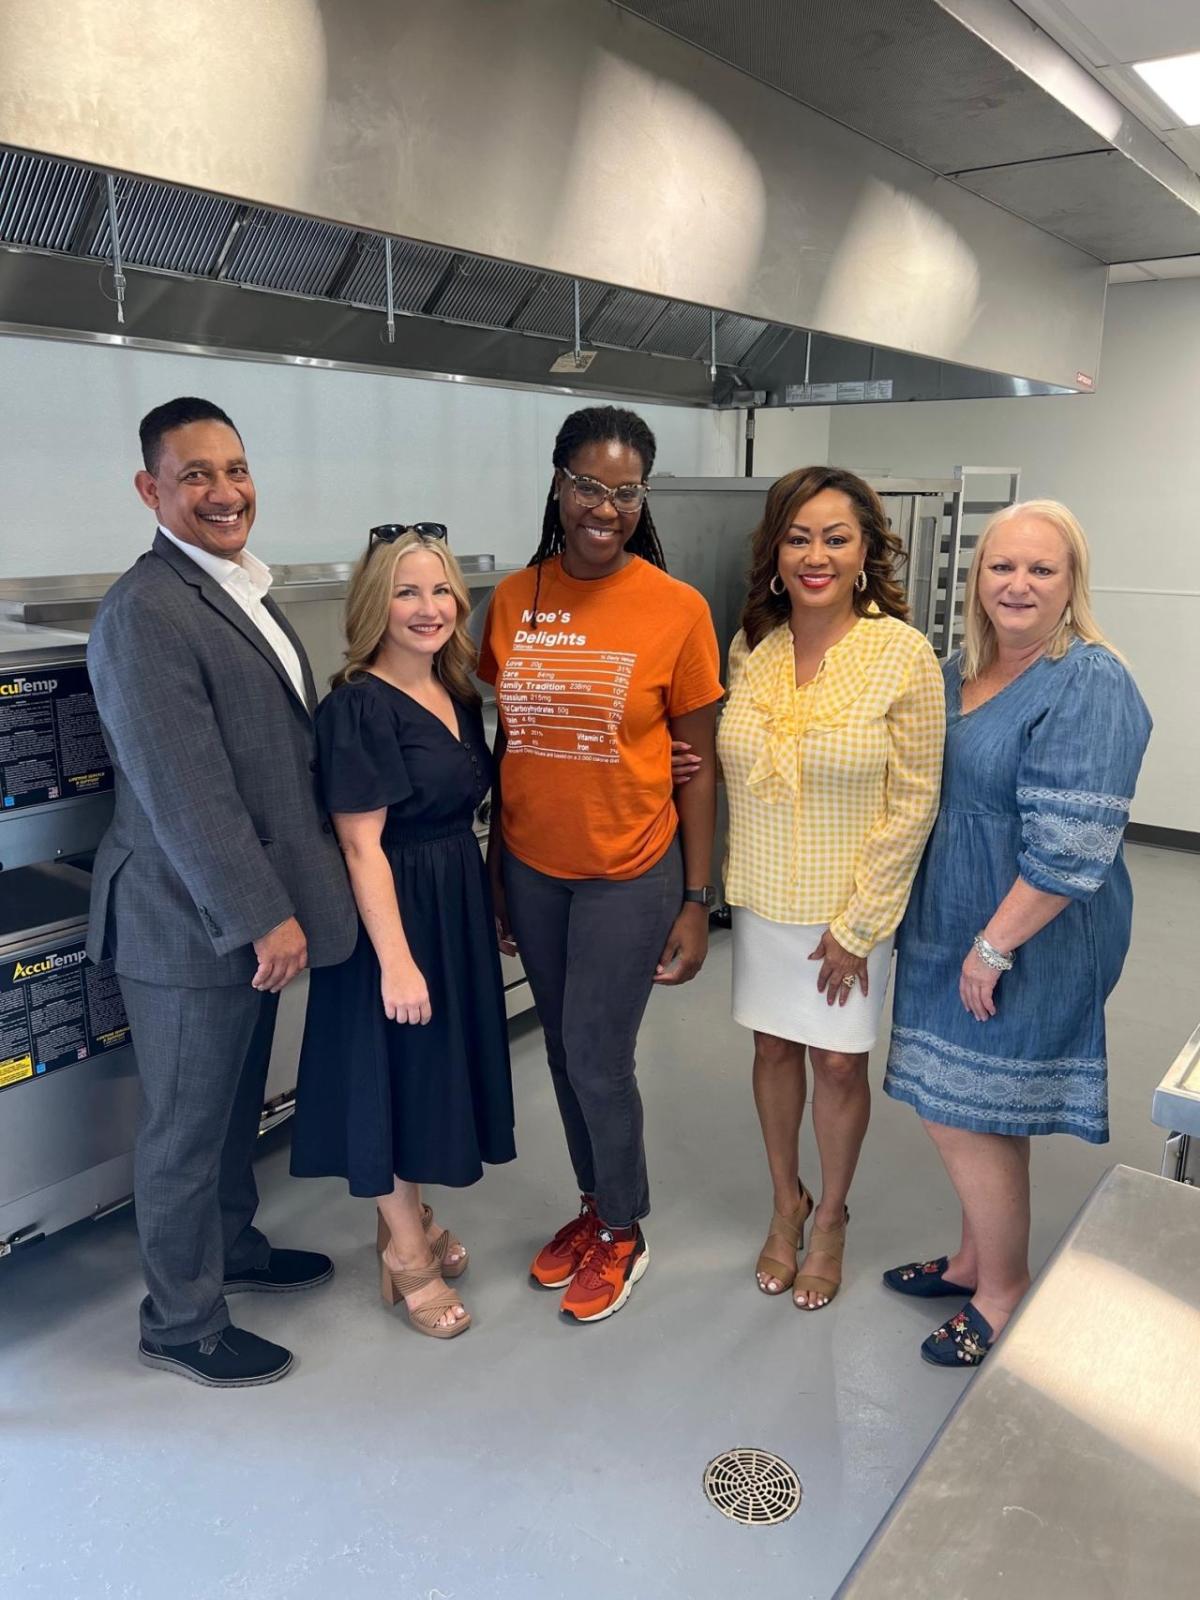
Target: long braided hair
599 425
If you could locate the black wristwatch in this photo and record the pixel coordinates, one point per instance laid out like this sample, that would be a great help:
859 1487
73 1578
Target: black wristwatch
701 897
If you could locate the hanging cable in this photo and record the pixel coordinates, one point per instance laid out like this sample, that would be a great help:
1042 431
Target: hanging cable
712 347
115 231
391 300
578 335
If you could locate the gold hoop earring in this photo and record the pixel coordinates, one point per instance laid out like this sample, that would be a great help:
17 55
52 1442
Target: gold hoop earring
860 583
776 580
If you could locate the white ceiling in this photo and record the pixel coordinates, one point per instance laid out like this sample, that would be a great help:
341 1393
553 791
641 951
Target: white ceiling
1107 37
1148 271
1116 32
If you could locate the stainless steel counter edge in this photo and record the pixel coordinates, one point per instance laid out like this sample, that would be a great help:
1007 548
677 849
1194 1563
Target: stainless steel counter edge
72 597
1070 1464
1176 1104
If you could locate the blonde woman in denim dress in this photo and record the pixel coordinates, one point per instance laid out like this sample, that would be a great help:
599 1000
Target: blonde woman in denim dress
1019 920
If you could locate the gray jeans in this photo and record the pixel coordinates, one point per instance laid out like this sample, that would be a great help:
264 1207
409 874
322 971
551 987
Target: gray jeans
589 947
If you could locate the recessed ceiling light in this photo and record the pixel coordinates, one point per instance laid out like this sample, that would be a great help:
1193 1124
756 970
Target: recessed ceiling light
1176 81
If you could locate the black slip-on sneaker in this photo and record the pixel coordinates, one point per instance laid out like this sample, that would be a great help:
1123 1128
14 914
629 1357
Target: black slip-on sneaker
287 1271
234 1358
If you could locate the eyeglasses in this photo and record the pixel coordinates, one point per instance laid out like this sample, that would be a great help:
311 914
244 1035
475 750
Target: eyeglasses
389 532
590 492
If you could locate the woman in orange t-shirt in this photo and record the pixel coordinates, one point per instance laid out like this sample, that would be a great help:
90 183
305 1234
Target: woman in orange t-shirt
599 866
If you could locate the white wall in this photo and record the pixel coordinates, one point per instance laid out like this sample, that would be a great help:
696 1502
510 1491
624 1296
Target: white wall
332 453
1124 460
787 438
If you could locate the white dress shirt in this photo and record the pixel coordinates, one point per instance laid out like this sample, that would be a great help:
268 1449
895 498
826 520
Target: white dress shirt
248 582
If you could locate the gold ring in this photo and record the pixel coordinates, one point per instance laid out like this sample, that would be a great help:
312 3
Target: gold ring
850 981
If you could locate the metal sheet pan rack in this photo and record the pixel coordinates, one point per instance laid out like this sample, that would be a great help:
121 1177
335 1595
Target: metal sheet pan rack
705 526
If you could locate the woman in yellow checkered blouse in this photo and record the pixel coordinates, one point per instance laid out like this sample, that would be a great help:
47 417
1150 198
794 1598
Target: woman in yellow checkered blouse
831 746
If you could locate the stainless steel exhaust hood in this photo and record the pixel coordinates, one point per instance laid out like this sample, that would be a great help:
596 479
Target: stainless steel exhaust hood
512 147
201 273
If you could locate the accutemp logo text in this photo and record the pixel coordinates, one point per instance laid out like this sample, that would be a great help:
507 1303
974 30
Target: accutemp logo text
21 685
51 963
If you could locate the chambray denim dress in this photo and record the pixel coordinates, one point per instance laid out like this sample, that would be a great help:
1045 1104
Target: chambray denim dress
1037 781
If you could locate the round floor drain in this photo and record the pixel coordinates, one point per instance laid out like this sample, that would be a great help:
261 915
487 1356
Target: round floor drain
752 1486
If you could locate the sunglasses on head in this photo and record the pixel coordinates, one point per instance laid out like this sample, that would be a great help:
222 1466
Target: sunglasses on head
389 532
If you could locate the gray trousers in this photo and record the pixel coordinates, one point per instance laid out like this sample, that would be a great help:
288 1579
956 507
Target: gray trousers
202 1057
589 947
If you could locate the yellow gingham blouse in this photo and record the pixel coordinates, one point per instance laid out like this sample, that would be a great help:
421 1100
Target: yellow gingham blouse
833 786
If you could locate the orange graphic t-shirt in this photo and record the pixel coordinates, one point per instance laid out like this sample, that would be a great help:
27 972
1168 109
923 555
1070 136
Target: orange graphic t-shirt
586 690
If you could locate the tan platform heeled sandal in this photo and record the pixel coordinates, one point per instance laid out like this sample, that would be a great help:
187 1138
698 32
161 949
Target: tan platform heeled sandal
791 1230
440 1246
424 1318
826 1242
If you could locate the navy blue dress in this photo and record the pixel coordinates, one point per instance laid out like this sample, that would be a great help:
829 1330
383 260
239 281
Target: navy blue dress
1037 781
377 1100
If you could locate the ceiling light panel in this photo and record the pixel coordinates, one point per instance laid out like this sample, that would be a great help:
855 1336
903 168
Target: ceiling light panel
1176 82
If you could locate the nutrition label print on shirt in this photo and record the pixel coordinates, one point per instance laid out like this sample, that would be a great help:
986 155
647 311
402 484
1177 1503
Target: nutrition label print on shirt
564 701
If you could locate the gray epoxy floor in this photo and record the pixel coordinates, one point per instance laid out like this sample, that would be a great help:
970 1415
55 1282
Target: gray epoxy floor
532 1458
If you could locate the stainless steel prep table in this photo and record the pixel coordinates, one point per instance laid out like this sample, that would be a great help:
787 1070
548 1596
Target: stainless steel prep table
1070 1467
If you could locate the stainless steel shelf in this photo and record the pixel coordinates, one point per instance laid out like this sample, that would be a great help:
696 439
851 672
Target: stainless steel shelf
1176 1104
72 599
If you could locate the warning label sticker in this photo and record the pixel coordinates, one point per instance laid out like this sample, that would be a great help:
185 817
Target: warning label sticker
57 1008
51 745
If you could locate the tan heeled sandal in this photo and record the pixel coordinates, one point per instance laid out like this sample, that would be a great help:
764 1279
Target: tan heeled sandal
424 1318
827 1242
791 1231
440 1247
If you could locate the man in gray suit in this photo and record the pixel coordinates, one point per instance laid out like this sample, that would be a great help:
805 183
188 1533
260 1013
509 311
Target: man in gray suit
218 881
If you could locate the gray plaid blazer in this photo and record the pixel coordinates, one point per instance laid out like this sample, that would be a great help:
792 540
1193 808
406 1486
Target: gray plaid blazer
218 831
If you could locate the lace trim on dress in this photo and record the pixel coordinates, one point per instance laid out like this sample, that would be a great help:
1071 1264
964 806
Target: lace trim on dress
1073 836
1072 880
1008 1077
946 1077
1076 797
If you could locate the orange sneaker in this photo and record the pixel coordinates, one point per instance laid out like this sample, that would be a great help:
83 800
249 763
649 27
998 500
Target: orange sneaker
557 1263
606 1276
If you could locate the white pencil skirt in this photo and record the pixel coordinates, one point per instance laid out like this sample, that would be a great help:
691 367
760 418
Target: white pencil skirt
775 986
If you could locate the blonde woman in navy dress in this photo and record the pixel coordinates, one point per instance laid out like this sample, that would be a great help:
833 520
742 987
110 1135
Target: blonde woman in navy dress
1020 914
404 1072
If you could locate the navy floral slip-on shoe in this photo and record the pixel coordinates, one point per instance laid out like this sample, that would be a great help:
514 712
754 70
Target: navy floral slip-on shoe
963 1341
924 1280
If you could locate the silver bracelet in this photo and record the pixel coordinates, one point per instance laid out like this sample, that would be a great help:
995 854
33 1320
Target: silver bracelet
991 957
